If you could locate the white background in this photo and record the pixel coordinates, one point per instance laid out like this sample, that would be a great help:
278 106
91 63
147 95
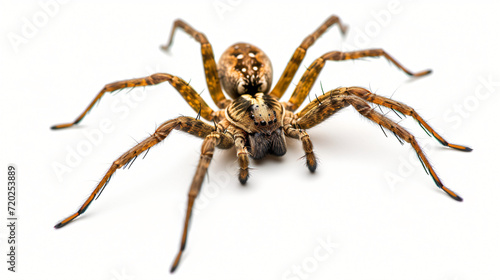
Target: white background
404 228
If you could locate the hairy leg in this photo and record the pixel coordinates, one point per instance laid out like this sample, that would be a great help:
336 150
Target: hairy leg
187 92
186 124
243 159
211 75
299 54
398 106
309 77
364 109
207 150
321 108
327 104
306 145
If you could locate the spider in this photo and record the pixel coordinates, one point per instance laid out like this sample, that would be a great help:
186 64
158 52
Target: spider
254 121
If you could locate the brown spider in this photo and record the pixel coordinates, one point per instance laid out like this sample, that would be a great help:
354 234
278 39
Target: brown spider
254 121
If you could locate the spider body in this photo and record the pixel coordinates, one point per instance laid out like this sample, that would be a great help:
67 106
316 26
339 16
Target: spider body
261 117
245 69
254 121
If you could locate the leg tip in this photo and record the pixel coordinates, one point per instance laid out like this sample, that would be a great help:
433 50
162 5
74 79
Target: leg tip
176 262
59 126
243 177
311 162
59 225
312 167
165 48
67 220
344 29
452 194
456 197
172 270
467 149
460 148
422 73
243 181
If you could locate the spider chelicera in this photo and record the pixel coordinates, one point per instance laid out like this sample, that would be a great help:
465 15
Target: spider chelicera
254 121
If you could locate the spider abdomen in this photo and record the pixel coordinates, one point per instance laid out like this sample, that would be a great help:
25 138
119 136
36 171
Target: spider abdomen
245 69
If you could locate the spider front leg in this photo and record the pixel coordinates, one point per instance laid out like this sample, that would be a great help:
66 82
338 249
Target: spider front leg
211 74
186 124
299 54
300 134
309 77
214 139
187 92
242 153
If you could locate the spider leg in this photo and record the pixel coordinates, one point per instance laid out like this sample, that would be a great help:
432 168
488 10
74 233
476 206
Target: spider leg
187 92
211 74
321 108
186 124
242 153
309 77
207 150
314 113
398 106
364 109
331 102
300 134
300 52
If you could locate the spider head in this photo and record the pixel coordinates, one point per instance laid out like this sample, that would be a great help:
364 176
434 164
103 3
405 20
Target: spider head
245 69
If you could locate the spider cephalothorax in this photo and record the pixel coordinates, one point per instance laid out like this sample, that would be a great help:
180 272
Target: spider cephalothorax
255 122
261 117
